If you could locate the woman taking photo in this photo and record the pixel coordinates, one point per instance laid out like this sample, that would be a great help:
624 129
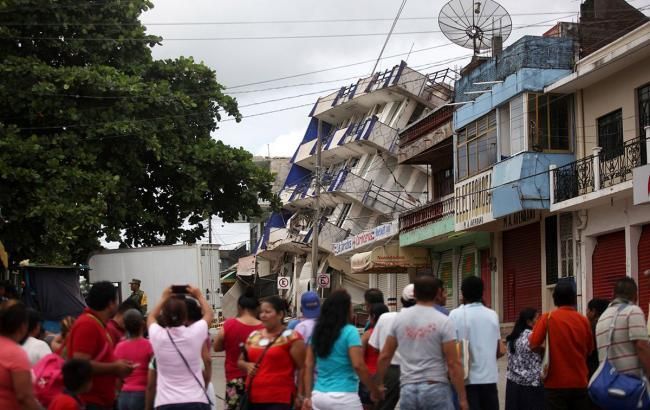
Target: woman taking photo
177 349
235 332
15 375
524 382
271 358
336 354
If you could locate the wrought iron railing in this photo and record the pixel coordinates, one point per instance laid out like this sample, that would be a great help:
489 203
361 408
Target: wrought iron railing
574 179
426 214
615 169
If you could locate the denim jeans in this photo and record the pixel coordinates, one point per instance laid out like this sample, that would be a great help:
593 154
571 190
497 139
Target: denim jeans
130 400
426 396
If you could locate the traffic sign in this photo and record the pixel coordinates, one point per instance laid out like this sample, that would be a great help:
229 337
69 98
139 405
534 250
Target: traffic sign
323 280
284 282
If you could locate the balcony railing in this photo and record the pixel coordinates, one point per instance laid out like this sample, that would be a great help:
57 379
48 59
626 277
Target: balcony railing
426 214
603 169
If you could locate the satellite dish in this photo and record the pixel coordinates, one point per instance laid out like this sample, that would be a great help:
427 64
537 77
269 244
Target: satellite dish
473 24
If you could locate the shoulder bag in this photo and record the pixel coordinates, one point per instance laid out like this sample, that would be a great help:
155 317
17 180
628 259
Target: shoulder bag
546 360
462 347
244 400
187 365
610 389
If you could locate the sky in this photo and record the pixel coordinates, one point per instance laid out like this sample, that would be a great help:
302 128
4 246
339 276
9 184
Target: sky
188 29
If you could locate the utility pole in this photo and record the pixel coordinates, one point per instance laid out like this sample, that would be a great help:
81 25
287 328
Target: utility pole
316 223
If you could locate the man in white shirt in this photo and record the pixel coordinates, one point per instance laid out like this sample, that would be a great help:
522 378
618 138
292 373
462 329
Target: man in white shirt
36 348
378 339
479 325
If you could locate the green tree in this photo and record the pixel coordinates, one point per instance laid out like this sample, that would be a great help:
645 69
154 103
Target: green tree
99 139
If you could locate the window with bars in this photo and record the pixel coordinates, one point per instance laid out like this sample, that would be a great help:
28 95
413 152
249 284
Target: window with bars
477 146
610 134
549 122
566 245
643 95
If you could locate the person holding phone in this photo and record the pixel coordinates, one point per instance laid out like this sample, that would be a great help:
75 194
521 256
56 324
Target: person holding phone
177 348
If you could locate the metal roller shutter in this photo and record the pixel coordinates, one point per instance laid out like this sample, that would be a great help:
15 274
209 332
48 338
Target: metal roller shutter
522 270
401 279
644 265
446 274
608 264
466 267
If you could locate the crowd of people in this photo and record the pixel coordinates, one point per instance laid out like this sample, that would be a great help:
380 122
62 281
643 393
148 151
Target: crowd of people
423 357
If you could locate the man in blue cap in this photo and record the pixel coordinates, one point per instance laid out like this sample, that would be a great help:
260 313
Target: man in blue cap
310 308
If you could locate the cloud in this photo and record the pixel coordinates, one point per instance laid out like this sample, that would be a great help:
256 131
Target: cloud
283 145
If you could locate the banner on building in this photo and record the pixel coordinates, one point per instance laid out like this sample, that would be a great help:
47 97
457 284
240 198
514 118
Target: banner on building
390 259
366 237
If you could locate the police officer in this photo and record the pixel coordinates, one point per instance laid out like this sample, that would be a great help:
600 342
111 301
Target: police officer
138 296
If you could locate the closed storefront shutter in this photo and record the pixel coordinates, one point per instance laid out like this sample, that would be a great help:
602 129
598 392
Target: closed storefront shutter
402 279
644 265
608 264
466 267
522 270
446 274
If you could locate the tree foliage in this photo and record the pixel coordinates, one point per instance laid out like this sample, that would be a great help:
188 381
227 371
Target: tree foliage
99 139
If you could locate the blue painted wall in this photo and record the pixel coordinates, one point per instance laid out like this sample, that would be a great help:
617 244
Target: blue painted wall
547 53
522 182
524 80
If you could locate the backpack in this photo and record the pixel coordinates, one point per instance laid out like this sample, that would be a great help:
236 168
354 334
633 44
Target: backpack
47 378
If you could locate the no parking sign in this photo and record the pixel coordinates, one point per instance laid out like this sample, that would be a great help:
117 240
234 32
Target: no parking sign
284 282
323 280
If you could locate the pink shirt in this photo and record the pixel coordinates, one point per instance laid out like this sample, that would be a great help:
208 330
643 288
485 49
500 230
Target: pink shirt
12 359
138 351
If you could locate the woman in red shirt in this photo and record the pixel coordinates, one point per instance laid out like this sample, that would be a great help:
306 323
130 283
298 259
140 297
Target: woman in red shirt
234 333
370 354
271 359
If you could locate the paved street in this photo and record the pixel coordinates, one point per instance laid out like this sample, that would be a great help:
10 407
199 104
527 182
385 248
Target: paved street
219 380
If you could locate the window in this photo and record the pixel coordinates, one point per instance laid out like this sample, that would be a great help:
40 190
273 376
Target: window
610 134
444 183
644 108
477 146
566 245
549 122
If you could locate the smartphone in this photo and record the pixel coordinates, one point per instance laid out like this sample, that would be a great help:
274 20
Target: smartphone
179 289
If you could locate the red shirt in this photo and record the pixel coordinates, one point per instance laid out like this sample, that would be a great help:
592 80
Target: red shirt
138 351
235 332
116 331
274 380
64 402
371 355
89 336
571 341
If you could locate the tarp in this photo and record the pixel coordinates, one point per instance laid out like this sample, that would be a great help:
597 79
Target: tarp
390 259
54 291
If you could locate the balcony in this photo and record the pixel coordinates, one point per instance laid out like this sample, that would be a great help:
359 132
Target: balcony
345 186
366 136
328 235
432 90
426 214
600 175
420 142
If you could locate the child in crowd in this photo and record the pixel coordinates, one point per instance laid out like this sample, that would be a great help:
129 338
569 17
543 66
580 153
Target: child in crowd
77 379
137 350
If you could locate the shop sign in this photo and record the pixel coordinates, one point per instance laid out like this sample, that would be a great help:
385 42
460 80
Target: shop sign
641 185
473 202
366 237
519 219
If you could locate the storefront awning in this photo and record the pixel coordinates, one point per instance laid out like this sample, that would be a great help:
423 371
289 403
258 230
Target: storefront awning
390 259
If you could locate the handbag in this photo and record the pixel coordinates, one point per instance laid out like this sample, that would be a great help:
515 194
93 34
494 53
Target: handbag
546 360
244 400
610 389
187 365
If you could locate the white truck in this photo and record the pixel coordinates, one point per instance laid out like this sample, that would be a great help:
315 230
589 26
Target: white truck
159 267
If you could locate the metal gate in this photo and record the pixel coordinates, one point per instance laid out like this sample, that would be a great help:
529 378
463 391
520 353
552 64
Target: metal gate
608 264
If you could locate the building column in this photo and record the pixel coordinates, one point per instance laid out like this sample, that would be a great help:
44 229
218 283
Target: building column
632 238
497 251
587 251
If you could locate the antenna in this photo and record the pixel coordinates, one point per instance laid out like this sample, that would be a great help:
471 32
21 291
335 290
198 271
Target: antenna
473 24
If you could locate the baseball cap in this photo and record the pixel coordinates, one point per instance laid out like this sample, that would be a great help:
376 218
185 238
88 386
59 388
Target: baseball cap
408 293
310 305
